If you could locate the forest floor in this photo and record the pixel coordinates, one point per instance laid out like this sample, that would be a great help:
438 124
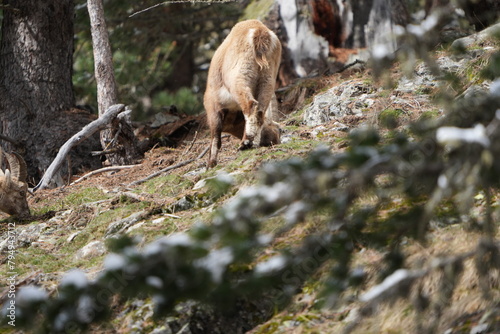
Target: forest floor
73 221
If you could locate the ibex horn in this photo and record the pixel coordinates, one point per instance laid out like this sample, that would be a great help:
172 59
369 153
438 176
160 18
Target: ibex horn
1 161
17 166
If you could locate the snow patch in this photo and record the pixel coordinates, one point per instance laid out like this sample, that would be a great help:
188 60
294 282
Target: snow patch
75 278
61 320
173 240
85 309
425 26
454 136
390 284
265 239
154 281
495 88
295 212
30 294
225 178
381 51
216 262
114 262
443 181
276 192
270 266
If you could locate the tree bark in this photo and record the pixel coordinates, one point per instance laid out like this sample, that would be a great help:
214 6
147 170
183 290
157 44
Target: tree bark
36 91
119 139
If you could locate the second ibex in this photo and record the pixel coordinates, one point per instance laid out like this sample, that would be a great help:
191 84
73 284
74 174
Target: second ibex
240 87
13 186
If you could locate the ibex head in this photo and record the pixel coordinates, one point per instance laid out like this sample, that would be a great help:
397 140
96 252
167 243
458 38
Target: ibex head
13 186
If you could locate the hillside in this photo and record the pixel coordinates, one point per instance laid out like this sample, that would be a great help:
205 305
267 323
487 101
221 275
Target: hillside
73 225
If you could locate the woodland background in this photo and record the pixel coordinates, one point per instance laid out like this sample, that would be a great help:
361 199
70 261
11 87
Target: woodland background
378 213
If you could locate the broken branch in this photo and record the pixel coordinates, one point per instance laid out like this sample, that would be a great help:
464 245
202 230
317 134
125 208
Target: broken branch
101 170
169 168
88 130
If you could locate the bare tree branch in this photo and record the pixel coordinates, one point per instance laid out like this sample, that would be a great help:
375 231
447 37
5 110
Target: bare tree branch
87 131
169 168
10 140
101 170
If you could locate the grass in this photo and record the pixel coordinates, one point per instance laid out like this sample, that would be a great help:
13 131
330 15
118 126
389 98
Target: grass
74 199
33 259
85 195
390 118
170 185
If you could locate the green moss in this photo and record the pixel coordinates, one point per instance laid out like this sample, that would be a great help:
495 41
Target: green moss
170 185
86 195
389 118
430 114
32 259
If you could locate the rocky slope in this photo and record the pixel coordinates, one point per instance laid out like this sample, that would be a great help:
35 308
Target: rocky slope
73 224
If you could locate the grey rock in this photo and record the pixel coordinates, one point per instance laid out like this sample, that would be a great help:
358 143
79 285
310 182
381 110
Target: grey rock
349 98
92 249
122 225
185 203
477 38
31 234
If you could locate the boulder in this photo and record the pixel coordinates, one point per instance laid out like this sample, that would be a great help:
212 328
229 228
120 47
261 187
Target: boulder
349 98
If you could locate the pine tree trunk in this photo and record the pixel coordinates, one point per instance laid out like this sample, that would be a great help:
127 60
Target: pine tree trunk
36 91
119 141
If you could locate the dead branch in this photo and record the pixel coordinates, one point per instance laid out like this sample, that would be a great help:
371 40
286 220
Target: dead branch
192 143
87 131
10 140
169 168
96 153
101 170
178 1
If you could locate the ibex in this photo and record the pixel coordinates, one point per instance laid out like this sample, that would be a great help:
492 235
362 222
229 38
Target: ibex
240 87
13 186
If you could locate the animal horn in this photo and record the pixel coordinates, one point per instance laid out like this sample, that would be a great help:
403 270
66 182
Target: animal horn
17 166
8 179
23 168
1 162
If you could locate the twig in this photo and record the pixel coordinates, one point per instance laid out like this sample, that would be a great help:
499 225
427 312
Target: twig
208 141
101 170
179 1
9 7
357 61
10 140
87 131
169 168
113 150
191 145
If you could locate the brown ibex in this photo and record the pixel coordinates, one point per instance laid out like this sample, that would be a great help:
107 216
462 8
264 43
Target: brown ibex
13 186
240 87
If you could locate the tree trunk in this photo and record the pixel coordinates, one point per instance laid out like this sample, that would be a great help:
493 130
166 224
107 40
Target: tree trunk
36 91
119 141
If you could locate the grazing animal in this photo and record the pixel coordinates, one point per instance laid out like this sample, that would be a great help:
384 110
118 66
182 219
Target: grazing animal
240 88
13 186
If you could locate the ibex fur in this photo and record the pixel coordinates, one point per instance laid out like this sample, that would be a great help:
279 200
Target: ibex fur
13 186
240 88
